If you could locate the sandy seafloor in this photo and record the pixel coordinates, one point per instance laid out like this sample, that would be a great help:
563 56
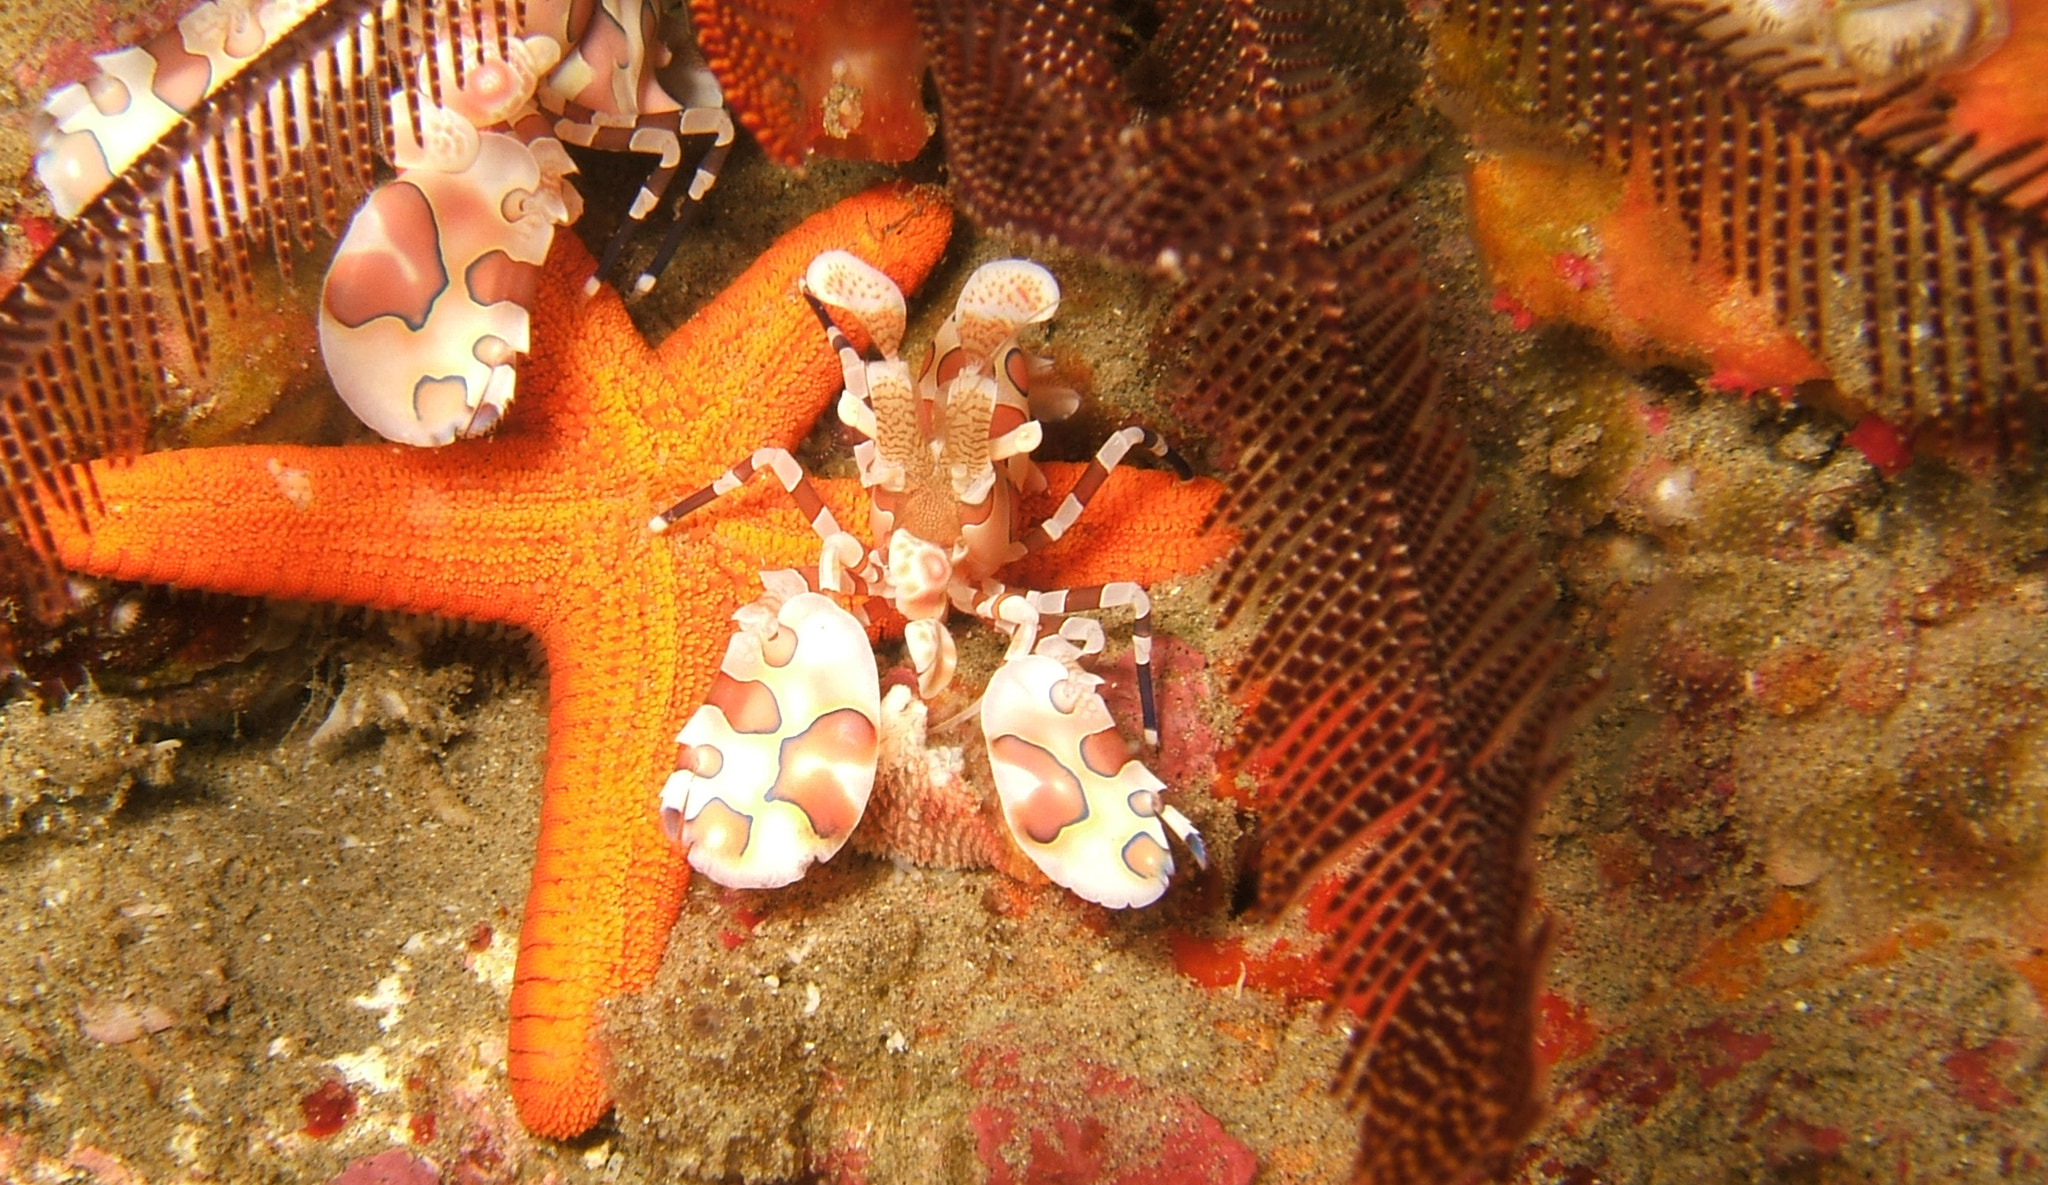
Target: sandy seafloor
1795 877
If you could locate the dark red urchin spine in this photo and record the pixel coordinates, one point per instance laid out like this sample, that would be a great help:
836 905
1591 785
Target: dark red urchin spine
1401 686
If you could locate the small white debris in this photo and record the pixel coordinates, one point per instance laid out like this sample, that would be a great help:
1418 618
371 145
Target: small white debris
295 485
118 1022
896 1042
125 613
492 966
812 998
369 1068
389 997
1673 500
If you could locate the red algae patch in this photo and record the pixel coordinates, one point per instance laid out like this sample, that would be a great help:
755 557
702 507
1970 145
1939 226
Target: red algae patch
1279 969
327 1107
1574 241
1092 1124
1881 444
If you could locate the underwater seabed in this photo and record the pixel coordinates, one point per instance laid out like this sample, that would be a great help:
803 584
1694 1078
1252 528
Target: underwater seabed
1796 878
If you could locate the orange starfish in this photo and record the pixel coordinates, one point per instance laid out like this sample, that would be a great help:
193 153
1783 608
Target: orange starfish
544 527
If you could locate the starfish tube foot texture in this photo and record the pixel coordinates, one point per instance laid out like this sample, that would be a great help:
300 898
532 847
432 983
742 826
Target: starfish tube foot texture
544 526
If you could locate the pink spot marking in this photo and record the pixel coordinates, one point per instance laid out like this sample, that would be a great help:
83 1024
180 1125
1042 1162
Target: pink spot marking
1520 315
496 276
703 760
490 89
394 268
1145 857
440 401
1579 272
1005 419
720 831
748 704
1055 802
607 50
815 768
1019 369
181 76
1105 752
779 647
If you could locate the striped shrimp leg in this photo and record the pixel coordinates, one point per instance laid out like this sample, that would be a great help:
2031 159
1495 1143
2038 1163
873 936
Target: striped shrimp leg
608 94
1107 458
661 136
1018 613
1118 594
704 114
856 402
842 556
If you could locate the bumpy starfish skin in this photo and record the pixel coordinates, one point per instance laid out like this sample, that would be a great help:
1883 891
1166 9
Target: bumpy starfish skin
544 527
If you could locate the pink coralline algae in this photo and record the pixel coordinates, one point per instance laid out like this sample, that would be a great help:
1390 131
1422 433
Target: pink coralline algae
393 1166
1083 1122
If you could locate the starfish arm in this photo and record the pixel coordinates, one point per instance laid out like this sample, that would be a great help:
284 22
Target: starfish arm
1144 526
763 361
374 525
606 881
627 664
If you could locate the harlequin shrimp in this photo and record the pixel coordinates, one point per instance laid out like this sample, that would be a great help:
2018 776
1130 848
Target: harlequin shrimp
425 307
776 768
